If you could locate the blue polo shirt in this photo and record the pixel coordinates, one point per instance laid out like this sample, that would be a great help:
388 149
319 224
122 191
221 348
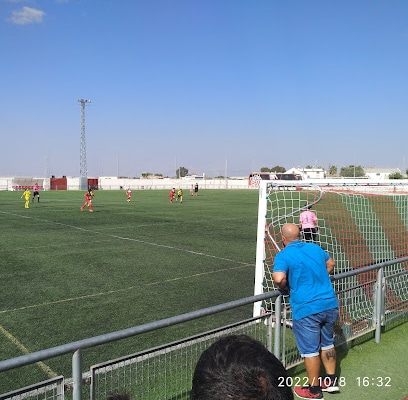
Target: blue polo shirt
311 290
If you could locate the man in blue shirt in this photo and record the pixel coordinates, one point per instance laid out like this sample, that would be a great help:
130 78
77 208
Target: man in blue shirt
303 269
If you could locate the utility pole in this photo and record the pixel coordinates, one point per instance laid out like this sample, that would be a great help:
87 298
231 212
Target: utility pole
83 169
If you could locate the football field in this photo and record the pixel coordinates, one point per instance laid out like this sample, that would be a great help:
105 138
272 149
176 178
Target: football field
68 275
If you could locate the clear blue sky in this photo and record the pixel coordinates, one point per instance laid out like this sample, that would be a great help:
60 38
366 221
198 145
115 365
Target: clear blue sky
215 86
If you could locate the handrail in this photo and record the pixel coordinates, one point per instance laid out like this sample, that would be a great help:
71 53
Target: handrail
368 268
126 333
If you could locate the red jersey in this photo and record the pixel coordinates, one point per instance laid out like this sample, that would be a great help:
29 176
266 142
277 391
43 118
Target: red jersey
88 197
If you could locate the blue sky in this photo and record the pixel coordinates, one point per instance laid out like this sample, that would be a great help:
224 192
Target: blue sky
215 86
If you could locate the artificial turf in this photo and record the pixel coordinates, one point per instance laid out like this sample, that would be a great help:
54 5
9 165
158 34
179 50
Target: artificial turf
68 275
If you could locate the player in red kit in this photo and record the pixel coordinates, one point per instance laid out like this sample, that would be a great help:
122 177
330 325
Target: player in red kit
88 201
172 194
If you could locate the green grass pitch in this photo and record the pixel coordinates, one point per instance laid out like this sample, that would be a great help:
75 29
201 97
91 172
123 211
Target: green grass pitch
69 275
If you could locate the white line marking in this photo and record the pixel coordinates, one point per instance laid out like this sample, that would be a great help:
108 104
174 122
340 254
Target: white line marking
240 265
45 368
129 239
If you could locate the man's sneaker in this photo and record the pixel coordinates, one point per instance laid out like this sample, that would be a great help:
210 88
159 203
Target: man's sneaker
304 392
329 385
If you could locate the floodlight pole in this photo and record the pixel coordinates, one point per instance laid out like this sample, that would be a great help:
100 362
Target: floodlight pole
83 169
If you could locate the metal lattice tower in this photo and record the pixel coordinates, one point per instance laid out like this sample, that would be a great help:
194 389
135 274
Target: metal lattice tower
83 169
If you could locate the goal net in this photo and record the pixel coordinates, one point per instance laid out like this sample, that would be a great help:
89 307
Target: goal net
359 224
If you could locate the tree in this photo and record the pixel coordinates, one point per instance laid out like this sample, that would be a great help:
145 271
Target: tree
352 171
181 172
148 174
278 169
395 175
332 170
265 169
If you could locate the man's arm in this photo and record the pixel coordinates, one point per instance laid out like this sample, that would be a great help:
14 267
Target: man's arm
330 263
280 279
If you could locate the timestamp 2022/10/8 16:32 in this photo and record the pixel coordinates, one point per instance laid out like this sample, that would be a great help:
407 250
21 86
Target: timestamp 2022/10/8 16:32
360 381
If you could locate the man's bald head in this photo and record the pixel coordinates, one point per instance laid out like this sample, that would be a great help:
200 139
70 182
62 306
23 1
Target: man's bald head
290 232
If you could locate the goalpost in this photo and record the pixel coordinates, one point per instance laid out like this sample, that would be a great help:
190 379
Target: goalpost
360 223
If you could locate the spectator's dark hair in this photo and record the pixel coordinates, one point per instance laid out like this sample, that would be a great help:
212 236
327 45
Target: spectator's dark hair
238 367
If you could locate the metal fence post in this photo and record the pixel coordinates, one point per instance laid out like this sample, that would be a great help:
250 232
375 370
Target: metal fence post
378 304
268 322
278 311
284 329
77 374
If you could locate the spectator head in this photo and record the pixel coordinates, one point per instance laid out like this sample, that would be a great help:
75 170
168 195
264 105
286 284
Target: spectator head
238 367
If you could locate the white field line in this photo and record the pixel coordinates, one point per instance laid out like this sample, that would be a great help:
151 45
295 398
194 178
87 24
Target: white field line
128 239
87 296
44 367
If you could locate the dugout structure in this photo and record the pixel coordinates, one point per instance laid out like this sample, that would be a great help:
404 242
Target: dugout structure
361 223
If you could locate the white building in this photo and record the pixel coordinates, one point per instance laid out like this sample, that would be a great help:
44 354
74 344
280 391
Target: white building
308 173
380 174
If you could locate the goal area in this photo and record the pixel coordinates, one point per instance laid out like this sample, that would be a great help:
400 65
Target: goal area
359 223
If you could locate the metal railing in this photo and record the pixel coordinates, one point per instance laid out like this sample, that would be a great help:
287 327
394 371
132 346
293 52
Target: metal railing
389 301
52 389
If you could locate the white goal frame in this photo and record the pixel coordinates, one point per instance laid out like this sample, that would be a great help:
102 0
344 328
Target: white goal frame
355 187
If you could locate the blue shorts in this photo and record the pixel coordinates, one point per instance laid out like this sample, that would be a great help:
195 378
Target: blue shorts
315 332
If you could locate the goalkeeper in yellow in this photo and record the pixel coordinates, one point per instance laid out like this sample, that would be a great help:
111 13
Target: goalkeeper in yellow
26 194
180 195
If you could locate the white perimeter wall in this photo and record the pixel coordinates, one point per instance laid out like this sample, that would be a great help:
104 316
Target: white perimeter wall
114 183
